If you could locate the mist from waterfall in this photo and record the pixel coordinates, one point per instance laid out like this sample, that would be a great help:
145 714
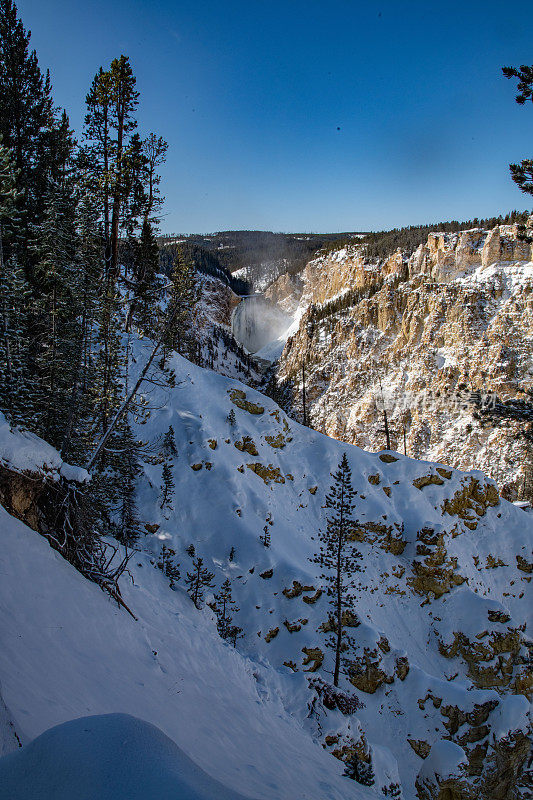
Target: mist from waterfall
256 322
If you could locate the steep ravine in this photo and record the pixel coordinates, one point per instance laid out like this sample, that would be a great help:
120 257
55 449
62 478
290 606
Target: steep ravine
416 336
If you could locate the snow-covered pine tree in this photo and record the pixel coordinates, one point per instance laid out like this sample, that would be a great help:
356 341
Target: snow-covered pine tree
167 488
224 607
234 634
197 581
393 790
55 318
15 386
359 770
169 443
27 120
338 557
168 565
184 295
146 287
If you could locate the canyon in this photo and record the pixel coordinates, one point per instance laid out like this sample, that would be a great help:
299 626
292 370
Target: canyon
428 338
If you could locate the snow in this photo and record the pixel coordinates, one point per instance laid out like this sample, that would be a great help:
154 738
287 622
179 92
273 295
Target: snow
22 451
446 759
109 757
68 651
513 714
244 716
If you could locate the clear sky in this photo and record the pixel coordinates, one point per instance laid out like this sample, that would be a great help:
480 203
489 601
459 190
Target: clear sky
323 115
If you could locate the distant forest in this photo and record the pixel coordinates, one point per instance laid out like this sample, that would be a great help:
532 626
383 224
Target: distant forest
238 249
222 254
381 244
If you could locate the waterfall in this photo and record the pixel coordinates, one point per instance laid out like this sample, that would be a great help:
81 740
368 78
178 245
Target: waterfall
256 322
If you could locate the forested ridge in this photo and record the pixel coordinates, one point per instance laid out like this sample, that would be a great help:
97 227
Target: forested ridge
79 273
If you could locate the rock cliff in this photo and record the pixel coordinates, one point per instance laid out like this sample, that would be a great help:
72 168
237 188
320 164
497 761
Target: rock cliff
415 337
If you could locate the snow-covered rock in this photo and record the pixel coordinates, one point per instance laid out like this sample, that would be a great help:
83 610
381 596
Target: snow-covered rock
109 757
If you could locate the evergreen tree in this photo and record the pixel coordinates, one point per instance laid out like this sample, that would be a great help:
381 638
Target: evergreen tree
522 174
146 289
224 607
79 423
359 770
13 294
392 790
338 557
183 298
232 554
190 550
197 581
55 315
168 486
168 565
155 152
169 443
265 538
26 113
231 418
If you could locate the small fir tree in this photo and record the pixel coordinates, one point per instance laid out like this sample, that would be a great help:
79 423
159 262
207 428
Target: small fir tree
190 550
168 565
234 634
359 770
231 418
224 607
169 443
167 488
265 537
338 557
198 581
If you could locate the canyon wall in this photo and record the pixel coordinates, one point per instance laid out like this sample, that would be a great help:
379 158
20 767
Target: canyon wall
415 337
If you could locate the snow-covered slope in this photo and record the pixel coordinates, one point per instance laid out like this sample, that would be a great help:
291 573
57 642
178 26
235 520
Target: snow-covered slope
68 651
111 757
440 630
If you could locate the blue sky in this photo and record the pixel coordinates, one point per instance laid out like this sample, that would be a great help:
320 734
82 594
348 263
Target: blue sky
310 116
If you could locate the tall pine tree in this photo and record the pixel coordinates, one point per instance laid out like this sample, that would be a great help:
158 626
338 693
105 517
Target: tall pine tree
338 557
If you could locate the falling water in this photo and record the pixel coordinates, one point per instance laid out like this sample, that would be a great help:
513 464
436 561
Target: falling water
256 322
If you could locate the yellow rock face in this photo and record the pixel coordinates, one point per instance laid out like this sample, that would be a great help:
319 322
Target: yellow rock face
431 332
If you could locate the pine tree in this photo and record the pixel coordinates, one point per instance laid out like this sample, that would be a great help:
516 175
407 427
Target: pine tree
183 298
167 488
522 174
190 550
359 770
169 443
83 403
338 557
232 554
234 634
124 99
224 607
197 581
55 318
231 418
155 152
26 113
393 790
168 565
265 538
146 289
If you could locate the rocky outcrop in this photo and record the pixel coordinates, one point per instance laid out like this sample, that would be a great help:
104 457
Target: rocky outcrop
415 338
